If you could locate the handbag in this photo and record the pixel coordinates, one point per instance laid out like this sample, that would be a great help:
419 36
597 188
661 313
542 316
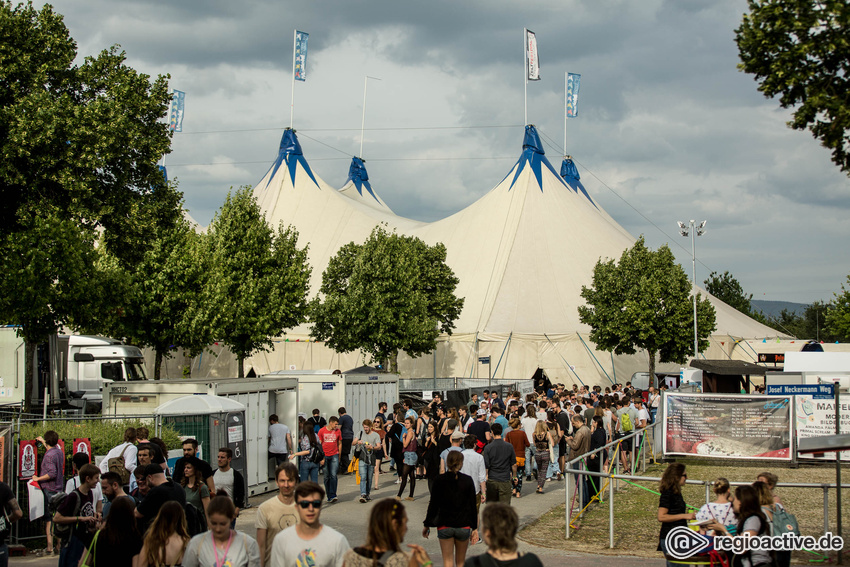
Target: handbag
90 552
358 449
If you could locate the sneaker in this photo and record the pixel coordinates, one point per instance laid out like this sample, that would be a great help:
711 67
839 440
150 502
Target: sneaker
411 498
362 498
398 481
334 500
368 499
528 477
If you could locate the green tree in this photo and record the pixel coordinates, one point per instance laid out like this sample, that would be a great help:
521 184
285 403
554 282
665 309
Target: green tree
258 279
799 49
728 290
391 293
812 324
644 302
838 317
79 146
159 295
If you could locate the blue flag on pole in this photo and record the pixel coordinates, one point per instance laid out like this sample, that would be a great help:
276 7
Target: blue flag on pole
178 99
301 55
573 84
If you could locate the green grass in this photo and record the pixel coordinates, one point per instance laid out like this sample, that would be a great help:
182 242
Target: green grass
636 526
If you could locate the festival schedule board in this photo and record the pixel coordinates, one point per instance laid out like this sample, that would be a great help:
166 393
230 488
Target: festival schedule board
816 418
728 426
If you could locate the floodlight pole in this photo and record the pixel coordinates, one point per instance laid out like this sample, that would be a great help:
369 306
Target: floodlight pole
363 121
693 230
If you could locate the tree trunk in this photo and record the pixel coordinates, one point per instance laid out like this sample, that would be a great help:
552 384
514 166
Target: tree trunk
240 362
392 364
29 375
651 354
157 365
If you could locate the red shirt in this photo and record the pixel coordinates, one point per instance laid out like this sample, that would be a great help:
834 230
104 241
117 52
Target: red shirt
330 441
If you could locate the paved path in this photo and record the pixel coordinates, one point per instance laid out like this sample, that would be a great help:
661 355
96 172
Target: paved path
350 516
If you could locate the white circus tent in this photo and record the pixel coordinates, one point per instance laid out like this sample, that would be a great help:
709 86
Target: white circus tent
522 252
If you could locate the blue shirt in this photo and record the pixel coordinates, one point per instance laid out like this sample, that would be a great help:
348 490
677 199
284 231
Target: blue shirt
502 420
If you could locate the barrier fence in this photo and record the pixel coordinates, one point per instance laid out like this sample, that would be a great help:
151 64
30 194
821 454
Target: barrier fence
25 529
577 471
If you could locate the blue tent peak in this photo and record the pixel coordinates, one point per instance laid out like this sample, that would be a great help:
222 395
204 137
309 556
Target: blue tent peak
532 140
569 172
291 154
534 156
358 175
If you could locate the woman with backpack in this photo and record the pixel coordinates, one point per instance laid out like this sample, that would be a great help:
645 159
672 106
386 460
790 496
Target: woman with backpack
421 436
166 539
222 545
119 542
308 443
772 509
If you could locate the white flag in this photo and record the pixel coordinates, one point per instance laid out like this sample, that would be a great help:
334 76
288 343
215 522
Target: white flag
532 63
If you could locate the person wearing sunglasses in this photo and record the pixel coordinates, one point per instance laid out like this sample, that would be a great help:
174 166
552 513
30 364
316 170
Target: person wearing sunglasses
309 542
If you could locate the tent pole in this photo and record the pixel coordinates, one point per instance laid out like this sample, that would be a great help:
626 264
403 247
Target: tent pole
292 97
565 114
525 67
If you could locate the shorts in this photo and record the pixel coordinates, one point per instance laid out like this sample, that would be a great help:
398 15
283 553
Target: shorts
410 458
460 534
48 494
626 444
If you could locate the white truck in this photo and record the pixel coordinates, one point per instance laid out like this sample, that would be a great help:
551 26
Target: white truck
70 369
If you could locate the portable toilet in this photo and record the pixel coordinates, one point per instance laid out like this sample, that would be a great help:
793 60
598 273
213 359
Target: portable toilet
215 422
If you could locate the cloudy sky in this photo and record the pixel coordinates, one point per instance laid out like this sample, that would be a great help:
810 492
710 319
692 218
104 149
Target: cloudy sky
668 128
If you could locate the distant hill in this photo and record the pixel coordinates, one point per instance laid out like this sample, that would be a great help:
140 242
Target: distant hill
774 308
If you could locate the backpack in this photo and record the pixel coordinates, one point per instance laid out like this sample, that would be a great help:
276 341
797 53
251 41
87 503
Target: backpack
196 523
117 465
784 522
316 454
626 422
63 531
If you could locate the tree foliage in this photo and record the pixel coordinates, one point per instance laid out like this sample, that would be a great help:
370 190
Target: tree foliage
800 51
258 279
644 302
727 289
391 293
838 317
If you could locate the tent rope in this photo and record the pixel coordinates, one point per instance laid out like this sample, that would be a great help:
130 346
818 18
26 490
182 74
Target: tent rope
594 357
570 368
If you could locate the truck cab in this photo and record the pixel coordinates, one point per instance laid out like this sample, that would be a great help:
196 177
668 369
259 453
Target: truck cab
92 361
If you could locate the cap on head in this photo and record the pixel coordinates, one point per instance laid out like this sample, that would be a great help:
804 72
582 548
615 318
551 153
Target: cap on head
457 434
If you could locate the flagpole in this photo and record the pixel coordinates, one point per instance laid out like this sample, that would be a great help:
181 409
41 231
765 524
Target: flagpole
525 66
566 73
363 121
292 97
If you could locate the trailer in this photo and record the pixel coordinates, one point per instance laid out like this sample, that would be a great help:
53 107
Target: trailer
358 391
262 397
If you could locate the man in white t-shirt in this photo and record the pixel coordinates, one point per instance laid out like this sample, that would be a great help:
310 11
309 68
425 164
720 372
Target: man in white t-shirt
643 415
229 479
278 513
280 440
309 542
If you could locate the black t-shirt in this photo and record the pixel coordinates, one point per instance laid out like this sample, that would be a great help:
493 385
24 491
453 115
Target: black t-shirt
563 420
675 504
159 495
6 496
119 554
479 429
69 509
487 560
396 448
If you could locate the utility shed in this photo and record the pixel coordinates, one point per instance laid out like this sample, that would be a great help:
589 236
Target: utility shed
727 376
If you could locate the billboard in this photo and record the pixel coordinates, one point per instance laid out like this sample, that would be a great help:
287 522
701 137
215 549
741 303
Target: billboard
729 426
816 418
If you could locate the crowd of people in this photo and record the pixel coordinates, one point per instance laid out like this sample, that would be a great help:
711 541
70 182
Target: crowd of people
132 510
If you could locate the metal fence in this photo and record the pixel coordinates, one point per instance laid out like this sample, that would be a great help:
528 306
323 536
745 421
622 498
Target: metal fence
26 530
457 383
576 471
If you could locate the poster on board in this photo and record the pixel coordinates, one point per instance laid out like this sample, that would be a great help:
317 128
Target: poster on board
728 426
816 418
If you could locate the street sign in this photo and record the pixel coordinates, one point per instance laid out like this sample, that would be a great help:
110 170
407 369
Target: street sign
818 391
484 359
